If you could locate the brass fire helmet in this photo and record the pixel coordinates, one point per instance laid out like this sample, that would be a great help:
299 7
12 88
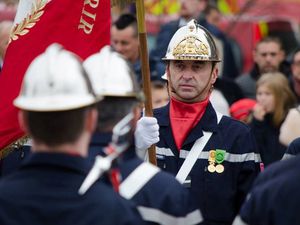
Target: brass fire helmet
192 42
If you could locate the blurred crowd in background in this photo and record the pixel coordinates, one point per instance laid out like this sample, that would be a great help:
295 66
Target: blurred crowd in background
258 42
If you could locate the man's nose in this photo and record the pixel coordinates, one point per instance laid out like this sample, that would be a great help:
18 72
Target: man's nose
187 75
269 57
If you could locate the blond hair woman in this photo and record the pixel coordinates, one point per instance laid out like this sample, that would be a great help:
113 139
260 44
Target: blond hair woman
274 99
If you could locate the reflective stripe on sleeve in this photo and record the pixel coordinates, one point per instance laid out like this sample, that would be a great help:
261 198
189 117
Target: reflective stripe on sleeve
157 216
137 180
238 221
287 156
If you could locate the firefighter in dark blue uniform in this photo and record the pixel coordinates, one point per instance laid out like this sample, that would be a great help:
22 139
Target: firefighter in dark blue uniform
274 198
213 155
293 149
57 111
160 198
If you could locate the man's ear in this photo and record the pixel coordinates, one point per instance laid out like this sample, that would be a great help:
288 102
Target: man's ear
23 121
167 70
91 120
214 75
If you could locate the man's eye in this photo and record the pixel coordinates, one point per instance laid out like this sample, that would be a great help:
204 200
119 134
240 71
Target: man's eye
198 66
179 65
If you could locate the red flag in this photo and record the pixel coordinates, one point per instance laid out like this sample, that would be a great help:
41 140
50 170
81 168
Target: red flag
81 26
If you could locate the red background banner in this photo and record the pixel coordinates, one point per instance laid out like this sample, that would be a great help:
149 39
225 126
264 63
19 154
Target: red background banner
60 23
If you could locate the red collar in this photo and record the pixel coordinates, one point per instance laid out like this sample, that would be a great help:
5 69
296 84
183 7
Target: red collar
184 117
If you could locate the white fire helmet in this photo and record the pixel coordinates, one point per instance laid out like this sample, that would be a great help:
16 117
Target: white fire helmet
111 75
192 42
55 81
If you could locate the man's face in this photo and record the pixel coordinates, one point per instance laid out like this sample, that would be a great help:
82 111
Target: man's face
296 73
214 18
126 43
191 8
268 57
191 81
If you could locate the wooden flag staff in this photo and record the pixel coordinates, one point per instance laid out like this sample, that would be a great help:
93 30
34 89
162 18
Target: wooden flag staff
140 13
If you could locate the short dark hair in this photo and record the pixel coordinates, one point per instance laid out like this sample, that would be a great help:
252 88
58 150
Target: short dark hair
209 8
112 110
269 39
126 20
55 128
158 84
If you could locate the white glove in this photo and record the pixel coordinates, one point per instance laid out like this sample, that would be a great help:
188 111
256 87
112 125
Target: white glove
146 134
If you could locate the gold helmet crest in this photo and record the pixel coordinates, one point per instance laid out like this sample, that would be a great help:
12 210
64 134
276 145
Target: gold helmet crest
192 42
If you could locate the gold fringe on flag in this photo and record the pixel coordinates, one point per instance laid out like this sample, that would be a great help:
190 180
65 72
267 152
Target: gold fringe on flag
10 148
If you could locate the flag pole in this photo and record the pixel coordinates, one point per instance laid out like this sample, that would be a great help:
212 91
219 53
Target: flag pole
140 13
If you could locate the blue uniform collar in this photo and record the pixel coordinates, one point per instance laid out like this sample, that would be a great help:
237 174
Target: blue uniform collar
101 138
207 123
58 160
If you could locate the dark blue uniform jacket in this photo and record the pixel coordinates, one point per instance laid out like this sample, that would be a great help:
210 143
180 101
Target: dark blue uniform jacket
293 149
162 200
275 197
219 195
267 139
45 191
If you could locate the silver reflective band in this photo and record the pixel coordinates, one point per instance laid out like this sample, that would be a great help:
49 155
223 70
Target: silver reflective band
194 153
192 156
238 221
137 180
229 157
164 151
287 156
157 216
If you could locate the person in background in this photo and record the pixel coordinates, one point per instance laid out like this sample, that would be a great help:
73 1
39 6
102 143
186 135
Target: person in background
125 41
242 109
295 74
214 156
124 37
160 95
160 198
274 198
5 28
212 18
268 56
274 99
57 109
189 9
290 128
